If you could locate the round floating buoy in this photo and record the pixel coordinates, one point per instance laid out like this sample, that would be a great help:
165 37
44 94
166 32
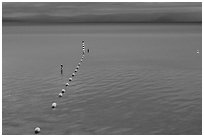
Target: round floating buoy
63 90
73 74
60 95
67 84
198 51
70 79
54 105
75 70
37 130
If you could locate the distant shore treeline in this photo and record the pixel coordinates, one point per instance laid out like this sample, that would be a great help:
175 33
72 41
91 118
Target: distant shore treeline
100 12
192 17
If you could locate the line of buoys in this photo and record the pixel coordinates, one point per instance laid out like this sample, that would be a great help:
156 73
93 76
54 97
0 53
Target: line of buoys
54 104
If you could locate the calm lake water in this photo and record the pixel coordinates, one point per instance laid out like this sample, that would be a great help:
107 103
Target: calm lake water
137 79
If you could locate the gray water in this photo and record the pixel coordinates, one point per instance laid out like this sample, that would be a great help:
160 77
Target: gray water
137 79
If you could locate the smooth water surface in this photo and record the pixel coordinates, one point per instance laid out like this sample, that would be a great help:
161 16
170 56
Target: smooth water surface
137 79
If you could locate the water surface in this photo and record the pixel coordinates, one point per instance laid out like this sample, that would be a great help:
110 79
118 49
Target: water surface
137 79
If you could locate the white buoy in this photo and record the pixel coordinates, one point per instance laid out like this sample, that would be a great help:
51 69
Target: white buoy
67 84
70 79
63 90
60 95
54 105
37 130
73 74
198 51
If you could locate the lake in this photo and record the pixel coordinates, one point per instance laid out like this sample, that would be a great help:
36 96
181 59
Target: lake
137 79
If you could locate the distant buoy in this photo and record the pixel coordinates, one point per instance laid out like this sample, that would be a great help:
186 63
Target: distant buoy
67 84
81 60
60 95
198 52
63 90
77 67
75 70
79 64
54 105
73 74
70 79
37 130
